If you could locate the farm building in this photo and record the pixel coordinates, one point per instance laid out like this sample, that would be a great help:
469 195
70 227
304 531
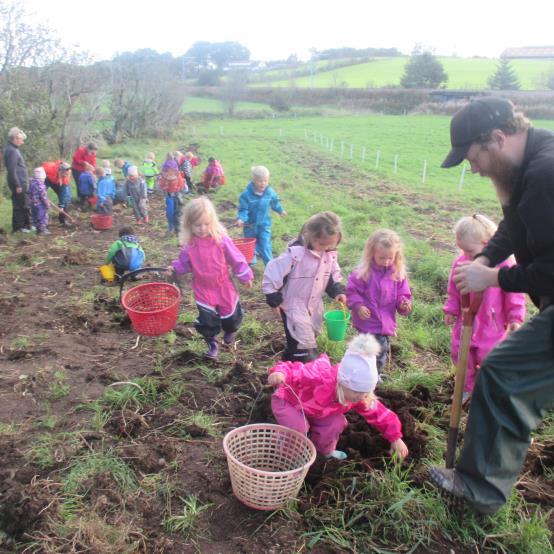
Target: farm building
530 52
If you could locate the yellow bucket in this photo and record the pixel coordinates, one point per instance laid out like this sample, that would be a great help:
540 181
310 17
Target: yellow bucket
107 272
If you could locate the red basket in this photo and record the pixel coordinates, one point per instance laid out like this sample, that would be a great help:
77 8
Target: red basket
101 221
247 248
152 307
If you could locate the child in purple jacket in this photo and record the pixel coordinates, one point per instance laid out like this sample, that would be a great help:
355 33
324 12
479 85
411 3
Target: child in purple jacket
38 200
207 252
499 313
378 288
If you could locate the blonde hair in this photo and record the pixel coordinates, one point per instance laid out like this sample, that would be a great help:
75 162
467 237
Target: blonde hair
259 172
100 172
322 224
476 227
194 210
150 156
106 163
384 238
368 399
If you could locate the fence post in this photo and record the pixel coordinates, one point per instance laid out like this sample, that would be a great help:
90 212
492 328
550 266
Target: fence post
315 137
462 176
377 156
221 131
341 149
396 163
280 132
363 154
305 134
351 150
331 145
424 176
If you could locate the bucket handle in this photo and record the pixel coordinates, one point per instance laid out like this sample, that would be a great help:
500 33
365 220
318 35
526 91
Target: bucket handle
136 272
295 396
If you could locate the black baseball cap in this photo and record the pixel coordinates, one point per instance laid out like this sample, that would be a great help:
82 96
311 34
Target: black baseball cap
474 120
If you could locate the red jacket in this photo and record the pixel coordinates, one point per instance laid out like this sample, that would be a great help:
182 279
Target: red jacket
81 156
53 173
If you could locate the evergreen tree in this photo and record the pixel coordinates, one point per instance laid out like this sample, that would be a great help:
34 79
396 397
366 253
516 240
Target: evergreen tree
504 78
423 70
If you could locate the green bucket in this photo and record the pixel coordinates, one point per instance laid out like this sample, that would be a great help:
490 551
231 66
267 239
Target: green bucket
336 323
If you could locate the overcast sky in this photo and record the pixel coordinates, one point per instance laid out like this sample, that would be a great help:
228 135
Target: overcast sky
275 29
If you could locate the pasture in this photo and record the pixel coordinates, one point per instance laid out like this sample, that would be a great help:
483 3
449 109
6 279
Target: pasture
110 443
463 73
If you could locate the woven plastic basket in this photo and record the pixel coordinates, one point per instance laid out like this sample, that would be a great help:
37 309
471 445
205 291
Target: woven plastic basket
247 247
152 307
101 221
267 464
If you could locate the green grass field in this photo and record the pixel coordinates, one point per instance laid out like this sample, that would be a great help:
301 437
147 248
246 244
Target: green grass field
471 73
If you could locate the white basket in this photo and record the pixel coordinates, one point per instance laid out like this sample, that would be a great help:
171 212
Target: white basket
267 463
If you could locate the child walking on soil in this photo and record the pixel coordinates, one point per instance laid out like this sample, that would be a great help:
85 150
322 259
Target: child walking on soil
378 288
207 252
38 199
136 189
86 185
326 392
125 253
499 312
295 282
255 204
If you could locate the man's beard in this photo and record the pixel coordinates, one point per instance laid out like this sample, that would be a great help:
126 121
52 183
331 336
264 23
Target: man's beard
503 174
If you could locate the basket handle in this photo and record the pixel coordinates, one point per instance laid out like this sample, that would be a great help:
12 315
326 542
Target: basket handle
136 272
295 396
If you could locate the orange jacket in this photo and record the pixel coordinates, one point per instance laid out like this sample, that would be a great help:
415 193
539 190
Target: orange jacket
53 173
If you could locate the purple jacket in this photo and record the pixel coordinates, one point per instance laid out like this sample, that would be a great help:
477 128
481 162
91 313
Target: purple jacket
37 193
498 308
381 294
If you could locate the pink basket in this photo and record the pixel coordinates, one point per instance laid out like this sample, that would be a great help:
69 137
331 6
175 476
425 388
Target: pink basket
101 221
267 464
247 247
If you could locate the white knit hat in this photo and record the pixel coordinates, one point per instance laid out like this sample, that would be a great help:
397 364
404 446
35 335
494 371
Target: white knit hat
358 367
108 170
132 171
39 173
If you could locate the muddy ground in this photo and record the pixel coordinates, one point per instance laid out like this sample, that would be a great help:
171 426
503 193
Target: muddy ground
64 340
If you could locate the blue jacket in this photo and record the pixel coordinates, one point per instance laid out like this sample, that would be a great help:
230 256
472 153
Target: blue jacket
254 208
86 184
104 188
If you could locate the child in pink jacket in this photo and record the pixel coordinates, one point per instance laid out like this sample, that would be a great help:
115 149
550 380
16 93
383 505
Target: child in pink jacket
294 283
499 313
326 392
207 252
378 288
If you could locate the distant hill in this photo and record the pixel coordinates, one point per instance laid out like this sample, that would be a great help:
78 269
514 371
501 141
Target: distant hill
463 73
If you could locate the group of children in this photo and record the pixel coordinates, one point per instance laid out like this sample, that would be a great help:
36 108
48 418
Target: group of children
294 285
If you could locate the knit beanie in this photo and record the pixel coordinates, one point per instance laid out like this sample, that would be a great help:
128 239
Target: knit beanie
132 171
39 173
358 367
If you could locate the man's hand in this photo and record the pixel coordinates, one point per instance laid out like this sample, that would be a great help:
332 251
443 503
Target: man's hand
475 277
364 312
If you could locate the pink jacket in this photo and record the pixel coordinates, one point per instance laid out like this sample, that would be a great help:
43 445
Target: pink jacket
382 295
302 276
498 309
208 262
315 383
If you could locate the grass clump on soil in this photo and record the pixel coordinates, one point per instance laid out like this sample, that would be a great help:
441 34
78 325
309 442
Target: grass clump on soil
49 449
187 521
58 387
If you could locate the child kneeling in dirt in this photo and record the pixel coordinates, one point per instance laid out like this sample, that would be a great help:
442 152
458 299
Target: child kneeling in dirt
326 392
125 253
207 252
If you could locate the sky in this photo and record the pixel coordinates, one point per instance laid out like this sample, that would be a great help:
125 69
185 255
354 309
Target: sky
276 29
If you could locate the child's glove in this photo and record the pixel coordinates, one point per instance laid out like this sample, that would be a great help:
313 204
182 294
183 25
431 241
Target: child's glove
276 379
399 448
364 312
